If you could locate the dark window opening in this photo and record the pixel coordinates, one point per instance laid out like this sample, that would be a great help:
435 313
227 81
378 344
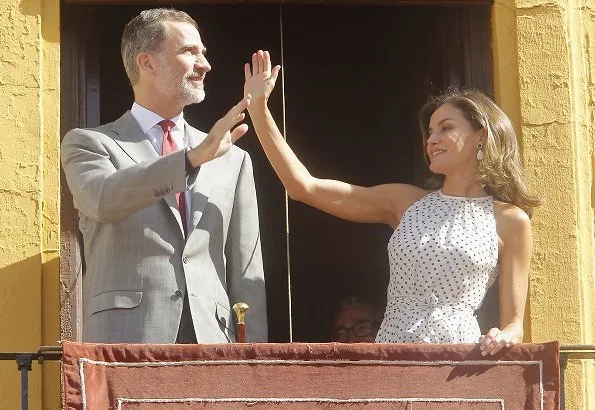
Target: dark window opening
355 77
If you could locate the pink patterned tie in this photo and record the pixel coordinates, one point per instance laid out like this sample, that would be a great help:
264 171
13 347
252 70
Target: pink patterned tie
169 146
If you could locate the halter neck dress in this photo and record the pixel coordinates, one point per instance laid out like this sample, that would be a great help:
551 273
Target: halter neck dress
443 258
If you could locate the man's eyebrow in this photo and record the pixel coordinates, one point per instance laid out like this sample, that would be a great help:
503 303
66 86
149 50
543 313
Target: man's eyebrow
201 49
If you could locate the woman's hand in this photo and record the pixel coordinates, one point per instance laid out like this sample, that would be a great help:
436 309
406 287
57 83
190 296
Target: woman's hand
260 78
496 339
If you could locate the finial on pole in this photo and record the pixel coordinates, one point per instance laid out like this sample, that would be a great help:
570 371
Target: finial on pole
240 308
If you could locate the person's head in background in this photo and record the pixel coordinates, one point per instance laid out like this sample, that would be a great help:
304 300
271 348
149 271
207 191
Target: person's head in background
356 321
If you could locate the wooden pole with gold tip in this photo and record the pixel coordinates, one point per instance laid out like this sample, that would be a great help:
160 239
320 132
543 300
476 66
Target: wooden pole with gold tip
240 309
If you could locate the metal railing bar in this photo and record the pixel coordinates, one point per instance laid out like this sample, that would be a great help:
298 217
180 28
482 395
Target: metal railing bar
568 352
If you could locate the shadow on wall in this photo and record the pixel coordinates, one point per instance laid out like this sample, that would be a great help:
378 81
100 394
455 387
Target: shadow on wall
30 7
30 318
50 17
20 327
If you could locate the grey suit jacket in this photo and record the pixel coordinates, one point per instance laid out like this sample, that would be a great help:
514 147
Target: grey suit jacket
138 263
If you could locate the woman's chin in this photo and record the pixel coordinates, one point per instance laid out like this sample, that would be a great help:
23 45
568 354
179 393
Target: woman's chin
436 168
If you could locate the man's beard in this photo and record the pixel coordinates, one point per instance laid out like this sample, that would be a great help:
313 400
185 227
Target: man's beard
188 93
180 87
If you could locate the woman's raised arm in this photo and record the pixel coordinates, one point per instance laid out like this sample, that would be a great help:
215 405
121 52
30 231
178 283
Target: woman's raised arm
381 204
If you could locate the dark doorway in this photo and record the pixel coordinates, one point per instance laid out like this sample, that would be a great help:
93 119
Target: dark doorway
354 77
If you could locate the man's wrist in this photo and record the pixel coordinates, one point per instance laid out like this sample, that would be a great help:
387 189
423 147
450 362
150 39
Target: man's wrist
188 163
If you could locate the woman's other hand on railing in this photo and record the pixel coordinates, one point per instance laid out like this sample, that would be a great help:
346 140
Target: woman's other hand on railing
496 339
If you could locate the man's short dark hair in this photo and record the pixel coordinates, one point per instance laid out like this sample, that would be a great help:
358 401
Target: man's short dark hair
144 33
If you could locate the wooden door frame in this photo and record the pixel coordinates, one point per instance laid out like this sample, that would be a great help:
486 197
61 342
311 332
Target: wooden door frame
79 107
80 100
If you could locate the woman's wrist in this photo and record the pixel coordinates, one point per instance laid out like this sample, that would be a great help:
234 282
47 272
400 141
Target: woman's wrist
258 105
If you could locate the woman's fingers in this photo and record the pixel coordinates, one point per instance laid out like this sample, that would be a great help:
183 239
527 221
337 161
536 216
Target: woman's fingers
247 71
494 341
254 63
495 347
488 342
266 61
260 61
275 73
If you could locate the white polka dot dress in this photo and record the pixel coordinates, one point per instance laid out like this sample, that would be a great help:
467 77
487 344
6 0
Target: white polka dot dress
443 257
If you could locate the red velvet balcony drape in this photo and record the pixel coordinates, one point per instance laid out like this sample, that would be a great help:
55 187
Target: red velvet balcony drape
308 376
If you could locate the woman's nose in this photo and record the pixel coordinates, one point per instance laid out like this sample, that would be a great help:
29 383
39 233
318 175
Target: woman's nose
433 138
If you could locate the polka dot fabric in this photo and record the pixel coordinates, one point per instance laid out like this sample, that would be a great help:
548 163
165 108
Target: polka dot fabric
443 257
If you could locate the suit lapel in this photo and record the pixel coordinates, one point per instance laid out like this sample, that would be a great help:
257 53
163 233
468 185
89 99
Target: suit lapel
132 140
201 186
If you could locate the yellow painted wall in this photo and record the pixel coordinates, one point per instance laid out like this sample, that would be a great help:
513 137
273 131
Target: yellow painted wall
544 65
29 199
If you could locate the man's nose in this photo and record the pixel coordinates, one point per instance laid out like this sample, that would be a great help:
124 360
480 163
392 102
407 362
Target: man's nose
202 64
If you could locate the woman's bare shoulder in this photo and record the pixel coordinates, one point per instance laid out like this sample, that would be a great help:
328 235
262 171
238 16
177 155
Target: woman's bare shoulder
509 212
510 219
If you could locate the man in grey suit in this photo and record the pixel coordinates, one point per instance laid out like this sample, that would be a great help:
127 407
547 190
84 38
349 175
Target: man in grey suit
168 213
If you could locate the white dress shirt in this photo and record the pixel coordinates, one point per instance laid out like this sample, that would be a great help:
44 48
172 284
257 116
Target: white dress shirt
149 124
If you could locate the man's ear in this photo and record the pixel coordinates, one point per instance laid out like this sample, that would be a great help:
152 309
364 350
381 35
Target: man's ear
145 63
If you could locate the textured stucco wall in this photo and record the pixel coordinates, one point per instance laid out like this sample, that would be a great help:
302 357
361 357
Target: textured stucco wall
29 203
544 60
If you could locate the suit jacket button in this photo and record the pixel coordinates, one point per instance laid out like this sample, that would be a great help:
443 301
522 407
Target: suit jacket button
185 259
178 293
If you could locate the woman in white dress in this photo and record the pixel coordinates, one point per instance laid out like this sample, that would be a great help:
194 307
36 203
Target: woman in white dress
449 244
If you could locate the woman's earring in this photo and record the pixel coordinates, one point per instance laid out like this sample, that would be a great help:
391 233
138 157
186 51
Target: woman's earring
479 151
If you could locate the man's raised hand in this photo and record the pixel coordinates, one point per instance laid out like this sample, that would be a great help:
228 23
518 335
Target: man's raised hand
222 136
